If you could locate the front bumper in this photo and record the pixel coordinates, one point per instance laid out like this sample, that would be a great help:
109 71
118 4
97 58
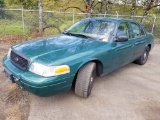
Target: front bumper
41 86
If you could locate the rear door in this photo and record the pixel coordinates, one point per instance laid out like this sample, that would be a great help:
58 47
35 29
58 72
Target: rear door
139 38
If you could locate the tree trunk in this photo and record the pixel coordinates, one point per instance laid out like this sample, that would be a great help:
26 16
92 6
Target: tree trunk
88 8
133 9
149 6
101 8
2 12
107 6
40 16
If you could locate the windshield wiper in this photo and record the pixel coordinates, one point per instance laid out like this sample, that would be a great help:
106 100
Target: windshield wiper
80 35
76 34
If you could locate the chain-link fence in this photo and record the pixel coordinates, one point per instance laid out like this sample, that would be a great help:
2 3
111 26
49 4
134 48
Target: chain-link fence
21 24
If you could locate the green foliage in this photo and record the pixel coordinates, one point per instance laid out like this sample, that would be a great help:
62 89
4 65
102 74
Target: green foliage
25 3
7 27
1 2
11 21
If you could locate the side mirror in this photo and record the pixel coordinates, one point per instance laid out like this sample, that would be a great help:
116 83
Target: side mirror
121 38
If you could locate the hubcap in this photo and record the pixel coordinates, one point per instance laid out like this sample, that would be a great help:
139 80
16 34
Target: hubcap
90 84
92 79
145 57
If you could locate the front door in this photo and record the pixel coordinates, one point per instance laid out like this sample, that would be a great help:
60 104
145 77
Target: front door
123 51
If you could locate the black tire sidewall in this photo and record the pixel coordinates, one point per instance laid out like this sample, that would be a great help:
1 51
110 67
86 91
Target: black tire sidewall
144 60
83 86
90 85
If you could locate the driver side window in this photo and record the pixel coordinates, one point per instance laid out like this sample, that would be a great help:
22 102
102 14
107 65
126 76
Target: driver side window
123 30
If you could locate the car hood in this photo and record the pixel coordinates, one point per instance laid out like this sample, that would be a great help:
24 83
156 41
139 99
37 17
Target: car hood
50 49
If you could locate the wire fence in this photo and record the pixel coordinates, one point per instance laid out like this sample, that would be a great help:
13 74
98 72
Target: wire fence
23 24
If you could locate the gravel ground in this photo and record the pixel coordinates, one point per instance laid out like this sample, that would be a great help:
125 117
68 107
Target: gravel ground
14 103
129 93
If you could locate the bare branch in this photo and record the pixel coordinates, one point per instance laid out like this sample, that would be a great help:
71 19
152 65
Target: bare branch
96 4
75 8
54 26
92 3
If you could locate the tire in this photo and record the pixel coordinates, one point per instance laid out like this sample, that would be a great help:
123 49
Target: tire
144 57
84 80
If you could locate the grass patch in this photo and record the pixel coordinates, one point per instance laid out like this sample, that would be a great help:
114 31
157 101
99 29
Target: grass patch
12 27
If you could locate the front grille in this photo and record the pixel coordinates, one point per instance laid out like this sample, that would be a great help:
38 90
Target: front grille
19 60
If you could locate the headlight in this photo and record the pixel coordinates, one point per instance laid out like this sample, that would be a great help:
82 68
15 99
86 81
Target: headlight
48 71
9 52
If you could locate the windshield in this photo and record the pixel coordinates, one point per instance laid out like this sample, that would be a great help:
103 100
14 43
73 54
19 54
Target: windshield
98 29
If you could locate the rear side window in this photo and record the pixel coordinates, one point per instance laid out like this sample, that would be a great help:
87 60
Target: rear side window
137 30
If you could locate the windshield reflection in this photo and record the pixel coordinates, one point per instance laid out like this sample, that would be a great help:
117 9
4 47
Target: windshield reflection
98 29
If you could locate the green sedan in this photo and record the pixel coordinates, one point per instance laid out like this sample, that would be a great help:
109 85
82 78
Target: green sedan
91 47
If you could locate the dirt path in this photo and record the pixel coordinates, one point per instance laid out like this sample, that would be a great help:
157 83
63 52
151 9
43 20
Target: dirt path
130 93
14 103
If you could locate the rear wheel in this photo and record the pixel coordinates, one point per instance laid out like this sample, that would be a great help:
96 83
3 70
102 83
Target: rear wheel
84 80
144 57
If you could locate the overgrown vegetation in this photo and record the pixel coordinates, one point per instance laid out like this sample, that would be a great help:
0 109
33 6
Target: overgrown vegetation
53 23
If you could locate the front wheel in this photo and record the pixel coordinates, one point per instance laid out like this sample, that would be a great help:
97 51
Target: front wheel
144 57
84 81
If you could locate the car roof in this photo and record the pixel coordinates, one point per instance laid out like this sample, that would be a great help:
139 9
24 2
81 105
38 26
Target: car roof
117 20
